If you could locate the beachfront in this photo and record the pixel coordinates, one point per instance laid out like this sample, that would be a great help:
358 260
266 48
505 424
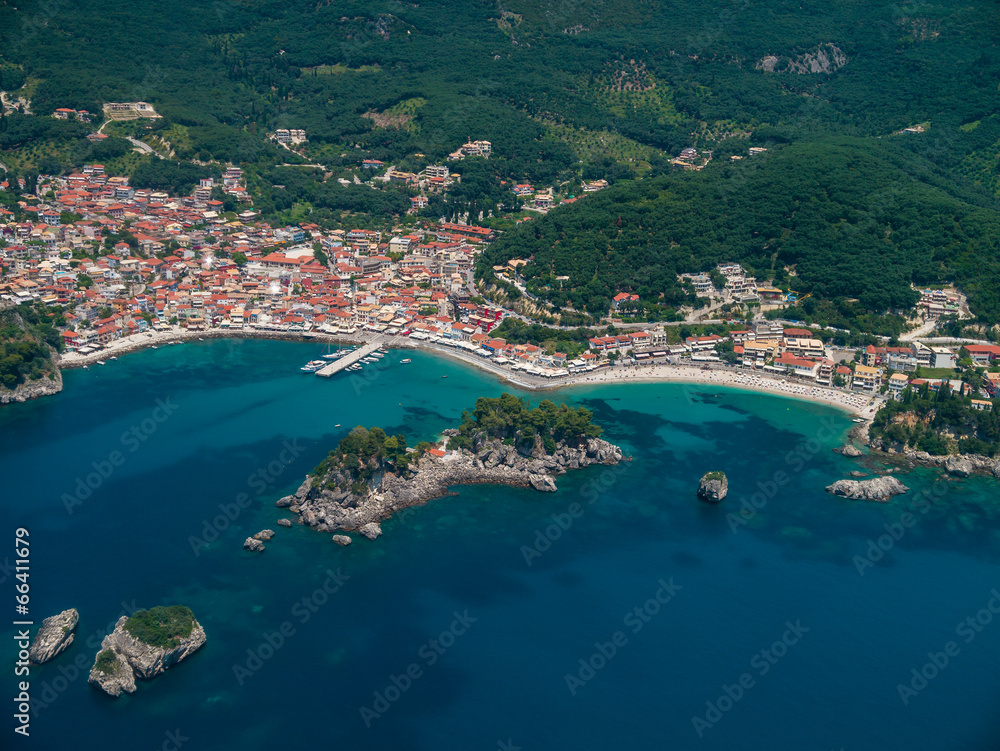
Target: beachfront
861 404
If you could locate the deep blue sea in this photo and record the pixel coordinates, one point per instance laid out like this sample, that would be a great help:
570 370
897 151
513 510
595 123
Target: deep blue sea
619 612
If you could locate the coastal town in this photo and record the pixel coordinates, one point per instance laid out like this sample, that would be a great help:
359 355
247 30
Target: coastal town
130 267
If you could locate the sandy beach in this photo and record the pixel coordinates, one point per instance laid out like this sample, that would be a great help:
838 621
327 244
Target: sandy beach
862 405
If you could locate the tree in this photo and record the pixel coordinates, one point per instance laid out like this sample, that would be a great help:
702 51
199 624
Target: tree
239 258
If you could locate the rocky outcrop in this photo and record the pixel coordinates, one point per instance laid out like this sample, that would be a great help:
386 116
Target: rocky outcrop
342 540
491 463
827 58
713 487
55 635
264 534
253 545
958 466
112 674
284 522
296 498
850 450
876 489
963 464
33 389
371 530
123 658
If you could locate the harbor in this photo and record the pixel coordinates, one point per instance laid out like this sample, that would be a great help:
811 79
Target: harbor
350 359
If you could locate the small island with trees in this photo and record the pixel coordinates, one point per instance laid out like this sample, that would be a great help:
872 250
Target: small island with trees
503 441
144 646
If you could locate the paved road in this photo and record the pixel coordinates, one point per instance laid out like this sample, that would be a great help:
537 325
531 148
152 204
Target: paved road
918 332
145 148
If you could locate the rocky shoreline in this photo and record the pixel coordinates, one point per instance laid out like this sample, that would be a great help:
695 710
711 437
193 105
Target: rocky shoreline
44 386
492 463
130 658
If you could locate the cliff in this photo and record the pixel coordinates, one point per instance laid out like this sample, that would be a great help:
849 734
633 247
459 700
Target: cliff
33 389
55 635
124 656
491 462
28 367
713 487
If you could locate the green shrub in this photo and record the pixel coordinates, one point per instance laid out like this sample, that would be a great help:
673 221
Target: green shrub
161 626
106 662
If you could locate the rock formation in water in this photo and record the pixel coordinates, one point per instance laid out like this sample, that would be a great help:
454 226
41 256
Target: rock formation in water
876 489
958 466
371 476
713 487
493 463
144 646
55 635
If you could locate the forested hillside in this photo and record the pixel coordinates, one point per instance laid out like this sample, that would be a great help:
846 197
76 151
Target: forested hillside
849 218
654 72
27 340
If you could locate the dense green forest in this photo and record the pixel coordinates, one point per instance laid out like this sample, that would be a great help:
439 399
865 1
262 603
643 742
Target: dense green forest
27 340
365 453
939 423
842 206
515 422
849 218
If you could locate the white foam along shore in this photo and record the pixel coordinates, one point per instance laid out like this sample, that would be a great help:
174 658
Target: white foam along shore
862 405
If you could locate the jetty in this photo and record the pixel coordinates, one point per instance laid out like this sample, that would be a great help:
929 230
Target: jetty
349 359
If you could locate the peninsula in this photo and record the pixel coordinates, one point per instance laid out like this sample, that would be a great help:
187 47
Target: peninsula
503 441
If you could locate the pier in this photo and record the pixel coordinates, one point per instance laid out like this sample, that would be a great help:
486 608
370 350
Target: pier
350 358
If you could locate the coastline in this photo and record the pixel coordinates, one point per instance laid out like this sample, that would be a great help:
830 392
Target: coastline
850 402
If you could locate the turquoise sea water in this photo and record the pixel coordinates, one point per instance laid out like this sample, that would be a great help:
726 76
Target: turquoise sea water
465 625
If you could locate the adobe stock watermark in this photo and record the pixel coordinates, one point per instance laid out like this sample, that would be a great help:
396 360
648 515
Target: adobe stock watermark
131 441
877 547
761 662
173 740
428 654
302 611
967 630
259 481
591 491
635 620
796 460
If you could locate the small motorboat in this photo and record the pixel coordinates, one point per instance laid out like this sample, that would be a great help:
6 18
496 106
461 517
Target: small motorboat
337 425
101 362
406 360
